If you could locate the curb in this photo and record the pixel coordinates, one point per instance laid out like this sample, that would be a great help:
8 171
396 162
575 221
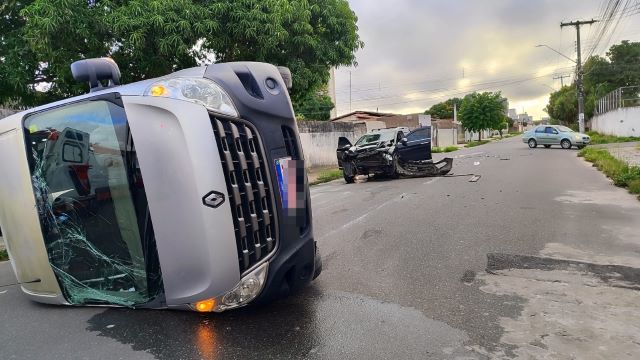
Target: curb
608 273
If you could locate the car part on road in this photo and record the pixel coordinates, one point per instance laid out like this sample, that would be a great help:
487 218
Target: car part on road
184 192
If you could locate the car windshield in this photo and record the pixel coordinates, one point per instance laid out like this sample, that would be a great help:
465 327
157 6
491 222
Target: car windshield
564 129
374 138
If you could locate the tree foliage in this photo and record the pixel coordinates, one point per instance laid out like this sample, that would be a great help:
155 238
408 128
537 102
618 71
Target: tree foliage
620 67
316 106
444 110
149 38
563 105
480 111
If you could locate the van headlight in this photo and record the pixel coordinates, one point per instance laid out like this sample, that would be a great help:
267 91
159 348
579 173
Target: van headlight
197 90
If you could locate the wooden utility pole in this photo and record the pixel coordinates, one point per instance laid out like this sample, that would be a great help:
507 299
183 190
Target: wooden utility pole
579 74
561 77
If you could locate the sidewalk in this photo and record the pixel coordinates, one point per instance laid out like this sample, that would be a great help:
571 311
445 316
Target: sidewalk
627 152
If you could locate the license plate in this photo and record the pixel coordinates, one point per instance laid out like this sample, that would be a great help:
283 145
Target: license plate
290 175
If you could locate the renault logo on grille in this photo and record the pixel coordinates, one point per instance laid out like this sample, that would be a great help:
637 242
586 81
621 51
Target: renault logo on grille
213 199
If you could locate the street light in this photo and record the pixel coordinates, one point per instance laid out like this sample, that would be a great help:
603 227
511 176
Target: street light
557 52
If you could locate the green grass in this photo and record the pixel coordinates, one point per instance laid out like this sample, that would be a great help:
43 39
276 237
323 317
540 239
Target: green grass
326 176
435 149
620 172
475 143
597 138
4 256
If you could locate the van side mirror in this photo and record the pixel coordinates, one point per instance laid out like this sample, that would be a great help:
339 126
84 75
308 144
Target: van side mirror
403 141
96 70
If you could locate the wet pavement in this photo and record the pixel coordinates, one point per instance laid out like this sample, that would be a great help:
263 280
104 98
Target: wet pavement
403 271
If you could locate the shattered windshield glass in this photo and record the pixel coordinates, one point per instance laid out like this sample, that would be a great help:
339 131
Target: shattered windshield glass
91 203
373 138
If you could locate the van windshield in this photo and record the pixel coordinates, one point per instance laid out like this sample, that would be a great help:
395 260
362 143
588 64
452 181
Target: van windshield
91 203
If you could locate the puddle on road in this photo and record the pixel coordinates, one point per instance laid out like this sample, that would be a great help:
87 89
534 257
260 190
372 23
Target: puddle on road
311 325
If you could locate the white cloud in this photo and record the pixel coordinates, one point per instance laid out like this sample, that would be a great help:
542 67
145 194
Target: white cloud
415 51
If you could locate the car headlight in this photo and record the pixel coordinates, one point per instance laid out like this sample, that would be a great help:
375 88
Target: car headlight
578 137
247 289
197 90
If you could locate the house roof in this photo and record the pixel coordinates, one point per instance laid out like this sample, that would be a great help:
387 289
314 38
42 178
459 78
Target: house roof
363 115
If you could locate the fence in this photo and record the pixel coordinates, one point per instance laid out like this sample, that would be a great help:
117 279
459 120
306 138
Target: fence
626 96
320 140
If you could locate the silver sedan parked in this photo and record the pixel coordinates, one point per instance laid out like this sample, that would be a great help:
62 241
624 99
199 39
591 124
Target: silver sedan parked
548 135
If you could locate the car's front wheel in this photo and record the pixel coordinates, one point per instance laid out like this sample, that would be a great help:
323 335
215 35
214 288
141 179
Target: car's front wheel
566 144
533 143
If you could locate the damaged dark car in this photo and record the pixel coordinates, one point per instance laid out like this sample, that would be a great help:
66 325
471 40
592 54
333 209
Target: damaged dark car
390 152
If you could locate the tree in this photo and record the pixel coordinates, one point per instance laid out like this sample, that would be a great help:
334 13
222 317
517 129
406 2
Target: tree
602 75
563 105
149 38
317 106
444 110
480 111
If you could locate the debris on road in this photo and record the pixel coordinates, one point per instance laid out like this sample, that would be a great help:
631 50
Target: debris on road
474 178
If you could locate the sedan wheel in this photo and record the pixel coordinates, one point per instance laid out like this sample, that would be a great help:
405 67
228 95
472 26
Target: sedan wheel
533 143
566 144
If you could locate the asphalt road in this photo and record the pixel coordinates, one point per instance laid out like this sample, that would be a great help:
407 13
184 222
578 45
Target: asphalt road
400 258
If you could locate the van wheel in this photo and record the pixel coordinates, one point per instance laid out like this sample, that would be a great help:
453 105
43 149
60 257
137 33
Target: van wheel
533 143
547 146
566 144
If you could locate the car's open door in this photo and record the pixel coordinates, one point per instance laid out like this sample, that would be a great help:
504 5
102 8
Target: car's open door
416 146
343 145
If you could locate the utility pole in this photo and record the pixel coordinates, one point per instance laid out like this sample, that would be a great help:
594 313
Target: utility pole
349 90
561 77
579 74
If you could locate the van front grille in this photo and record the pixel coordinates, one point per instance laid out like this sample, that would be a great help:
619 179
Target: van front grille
250 193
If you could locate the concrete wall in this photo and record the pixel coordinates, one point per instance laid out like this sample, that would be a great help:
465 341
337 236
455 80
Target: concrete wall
618 122
473 136
444 137
320 139
6 112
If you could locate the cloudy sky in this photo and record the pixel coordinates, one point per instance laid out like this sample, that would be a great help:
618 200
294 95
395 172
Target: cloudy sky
416 51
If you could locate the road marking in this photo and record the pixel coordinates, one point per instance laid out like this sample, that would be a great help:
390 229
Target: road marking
362 217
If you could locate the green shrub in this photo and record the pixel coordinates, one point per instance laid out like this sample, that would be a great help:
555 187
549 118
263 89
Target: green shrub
475 143
634 186
597 138
4 256
435 150
450 149
622 174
